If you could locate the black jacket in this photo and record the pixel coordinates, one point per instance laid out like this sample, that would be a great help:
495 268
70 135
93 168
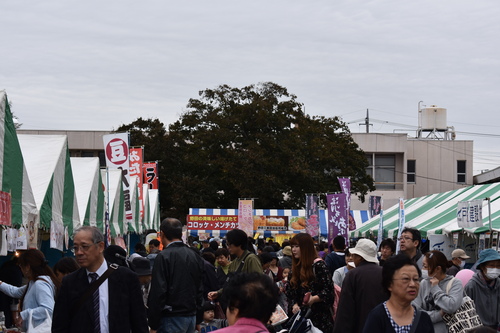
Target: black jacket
126 308
176 284
361 292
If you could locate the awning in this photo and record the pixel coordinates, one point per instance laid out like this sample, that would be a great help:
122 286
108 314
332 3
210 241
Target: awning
89 191
360 216
49 169
13 175
433 214
114 188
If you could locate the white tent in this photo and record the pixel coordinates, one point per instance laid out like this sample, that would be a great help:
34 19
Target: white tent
154 209
114 193
89 190
49 169
146 220
135 225
13 175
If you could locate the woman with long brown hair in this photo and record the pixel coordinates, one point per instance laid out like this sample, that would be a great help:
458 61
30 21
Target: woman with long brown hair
38 295
310 283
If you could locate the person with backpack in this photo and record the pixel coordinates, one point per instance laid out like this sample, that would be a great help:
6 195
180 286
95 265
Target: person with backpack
310 284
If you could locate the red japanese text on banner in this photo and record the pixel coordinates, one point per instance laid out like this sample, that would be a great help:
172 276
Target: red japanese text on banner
151 174
212 222
116 150
245 216
136 154
5 209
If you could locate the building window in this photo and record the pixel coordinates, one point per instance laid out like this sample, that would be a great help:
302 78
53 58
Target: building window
411 171
461 172
383 170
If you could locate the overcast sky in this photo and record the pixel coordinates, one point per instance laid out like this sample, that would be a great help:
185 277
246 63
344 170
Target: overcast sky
94 65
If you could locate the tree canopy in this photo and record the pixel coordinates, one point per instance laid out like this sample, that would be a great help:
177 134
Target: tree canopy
250 142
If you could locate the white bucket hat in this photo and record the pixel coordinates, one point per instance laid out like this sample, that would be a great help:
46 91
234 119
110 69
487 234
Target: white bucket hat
366 249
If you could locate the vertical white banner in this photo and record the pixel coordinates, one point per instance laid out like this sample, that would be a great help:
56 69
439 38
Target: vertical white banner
116 148
401 221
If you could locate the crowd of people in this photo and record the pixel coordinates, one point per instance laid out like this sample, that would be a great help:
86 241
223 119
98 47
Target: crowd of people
238 284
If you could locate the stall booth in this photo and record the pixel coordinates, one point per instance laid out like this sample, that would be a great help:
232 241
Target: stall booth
280 224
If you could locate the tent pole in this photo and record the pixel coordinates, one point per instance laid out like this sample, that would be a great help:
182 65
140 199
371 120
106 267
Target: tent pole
489 221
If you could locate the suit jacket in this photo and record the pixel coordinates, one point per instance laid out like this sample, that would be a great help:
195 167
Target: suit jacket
126 308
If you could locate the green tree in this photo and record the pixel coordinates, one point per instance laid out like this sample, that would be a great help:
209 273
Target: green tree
255 142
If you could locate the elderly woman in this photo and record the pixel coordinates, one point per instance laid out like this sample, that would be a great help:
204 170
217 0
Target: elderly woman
401 279
251 299
484 288
439 293
37 296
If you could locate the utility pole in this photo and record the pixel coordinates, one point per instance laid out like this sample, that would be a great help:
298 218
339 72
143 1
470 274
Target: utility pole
367 122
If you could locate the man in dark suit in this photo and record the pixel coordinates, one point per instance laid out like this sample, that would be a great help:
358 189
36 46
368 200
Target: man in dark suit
120 307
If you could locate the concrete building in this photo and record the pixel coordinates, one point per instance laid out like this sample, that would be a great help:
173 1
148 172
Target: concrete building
404 167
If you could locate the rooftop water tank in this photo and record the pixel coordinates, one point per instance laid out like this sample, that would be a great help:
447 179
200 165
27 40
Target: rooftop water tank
433 118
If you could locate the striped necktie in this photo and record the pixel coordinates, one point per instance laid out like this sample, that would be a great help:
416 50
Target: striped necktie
95 302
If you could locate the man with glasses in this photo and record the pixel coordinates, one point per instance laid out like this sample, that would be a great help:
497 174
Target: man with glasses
409 243
114 307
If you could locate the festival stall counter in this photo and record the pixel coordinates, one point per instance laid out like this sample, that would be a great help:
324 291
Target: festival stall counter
277 223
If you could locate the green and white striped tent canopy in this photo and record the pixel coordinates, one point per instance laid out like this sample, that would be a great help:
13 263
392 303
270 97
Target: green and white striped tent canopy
154 210
145 202
136 223
436 213
13 174
114 192
49 169
89 191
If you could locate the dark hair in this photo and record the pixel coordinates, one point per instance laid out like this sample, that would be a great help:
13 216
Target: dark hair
66 265
221 252
339 242
285 243
255 295
237 237
35 260
154 242
208 306
415 235
209 256
390 267
268 249
139 247
265 257
388 242
214 245
115 254
171 228
302 267
97 235
436 259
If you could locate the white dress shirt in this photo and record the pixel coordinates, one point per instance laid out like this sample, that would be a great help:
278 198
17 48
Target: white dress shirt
103 297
